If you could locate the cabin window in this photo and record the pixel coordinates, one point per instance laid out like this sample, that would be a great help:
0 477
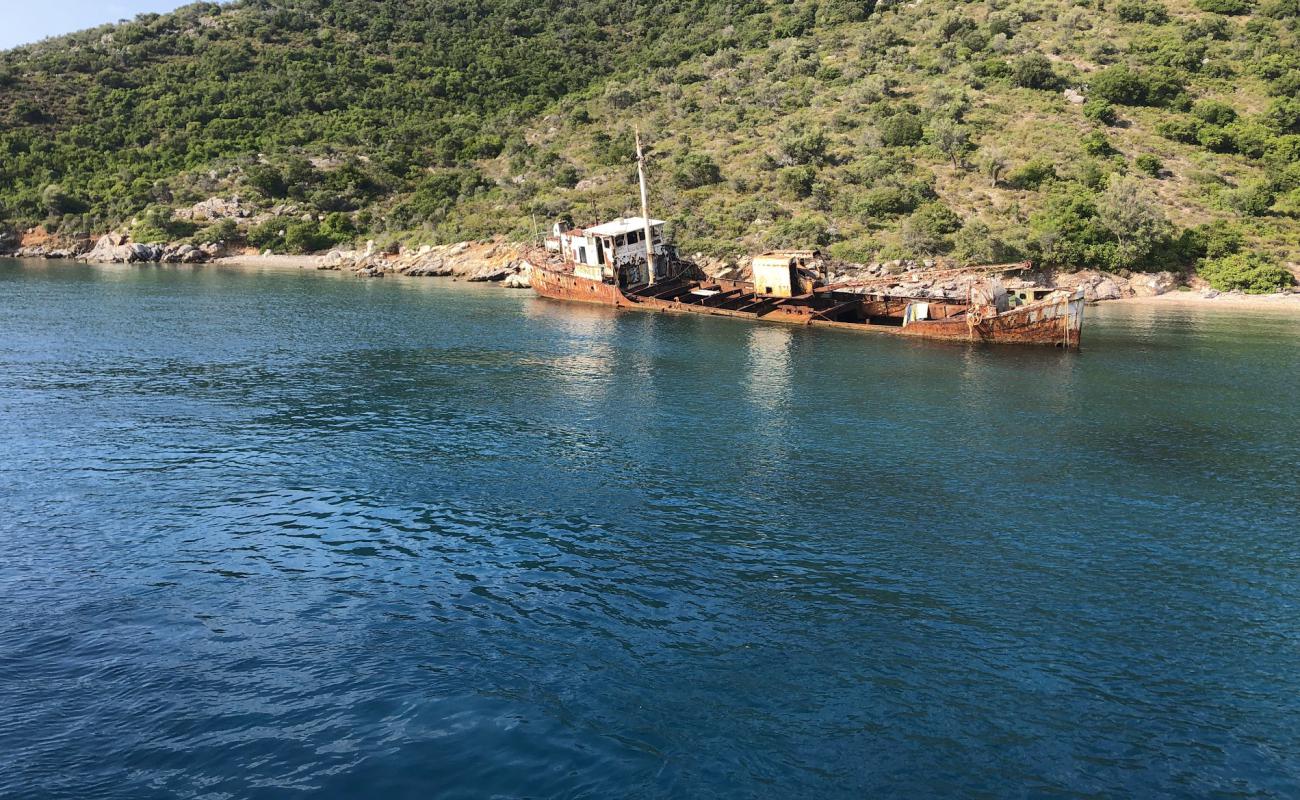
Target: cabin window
582 254
620 240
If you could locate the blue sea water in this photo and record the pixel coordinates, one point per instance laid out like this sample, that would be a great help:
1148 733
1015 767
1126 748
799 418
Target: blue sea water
271 533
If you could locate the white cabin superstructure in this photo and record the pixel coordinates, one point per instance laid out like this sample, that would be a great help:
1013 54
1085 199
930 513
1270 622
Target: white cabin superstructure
613 250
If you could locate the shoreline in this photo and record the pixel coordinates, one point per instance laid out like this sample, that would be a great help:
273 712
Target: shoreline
1289 302
1279 302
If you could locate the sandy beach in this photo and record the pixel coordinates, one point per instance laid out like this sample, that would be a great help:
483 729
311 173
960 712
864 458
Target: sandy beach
1285 302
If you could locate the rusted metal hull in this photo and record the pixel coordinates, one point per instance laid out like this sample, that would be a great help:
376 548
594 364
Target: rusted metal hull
1055 322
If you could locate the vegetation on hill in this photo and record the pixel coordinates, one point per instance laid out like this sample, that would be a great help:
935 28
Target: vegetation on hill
1120 134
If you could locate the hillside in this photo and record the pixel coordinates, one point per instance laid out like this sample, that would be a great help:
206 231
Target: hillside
1137 134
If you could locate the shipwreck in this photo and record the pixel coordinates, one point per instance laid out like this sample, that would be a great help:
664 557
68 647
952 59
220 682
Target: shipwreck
627 263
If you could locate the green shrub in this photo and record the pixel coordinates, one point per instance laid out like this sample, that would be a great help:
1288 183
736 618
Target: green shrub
1032 174
1095 143
801 232
158 224
1142 11
1212 137
267 180
1100 111
305 236
268 234
338 227
226 230
1034 71
926 231
1254 200
694 170
1284 114
566 176
1149 164
901 130
1249 272
884 201
1129 87
796 182
1218 239
1180 129
1231 7
804 148
1214 112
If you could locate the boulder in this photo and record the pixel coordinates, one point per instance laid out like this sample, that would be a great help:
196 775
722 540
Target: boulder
522 279
1152 285
1105 289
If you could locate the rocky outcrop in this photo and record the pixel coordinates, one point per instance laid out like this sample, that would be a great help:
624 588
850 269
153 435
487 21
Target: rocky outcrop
116 248
494 261
523 279
215 208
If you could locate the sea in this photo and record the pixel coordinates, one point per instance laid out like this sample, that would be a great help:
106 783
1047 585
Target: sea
282 533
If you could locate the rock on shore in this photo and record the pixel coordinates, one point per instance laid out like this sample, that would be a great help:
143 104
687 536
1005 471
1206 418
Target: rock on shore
114 248
496 261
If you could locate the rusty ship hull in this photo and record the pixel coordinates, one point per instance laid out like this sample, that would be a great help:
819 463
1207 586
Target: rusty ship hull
1055 321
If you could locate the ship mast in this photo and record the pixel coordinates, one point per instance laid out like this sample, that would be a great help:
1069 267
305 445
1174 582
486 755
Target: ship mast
645 214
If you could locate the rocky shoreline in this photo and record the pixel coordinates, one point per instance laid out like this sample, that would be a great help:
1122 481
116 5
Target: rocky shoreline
506 263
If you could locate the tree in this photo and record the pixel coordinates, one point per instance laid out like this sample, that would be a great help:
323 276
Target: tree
57 202
993 162
1130 214
950 138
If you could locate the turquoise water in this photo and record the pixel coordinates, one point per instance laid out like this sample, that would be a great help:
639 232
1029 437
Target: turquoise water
270 533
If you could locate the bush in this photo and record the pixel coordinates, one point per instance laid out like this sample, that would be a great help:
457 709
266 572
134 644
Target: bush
268 235
1095 143
976 244
1034 71
1100 111
694 170
58 202
1212 137
1254 200
1249 272
1149 164
225 230
1218 239
901 130
804 148
1214 112
1128 87
1032 174
1231 7
1284 115
305 236
1142 11
801 232
338 227
267 180
157 224
927 230
1180 129
885 201
796 182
